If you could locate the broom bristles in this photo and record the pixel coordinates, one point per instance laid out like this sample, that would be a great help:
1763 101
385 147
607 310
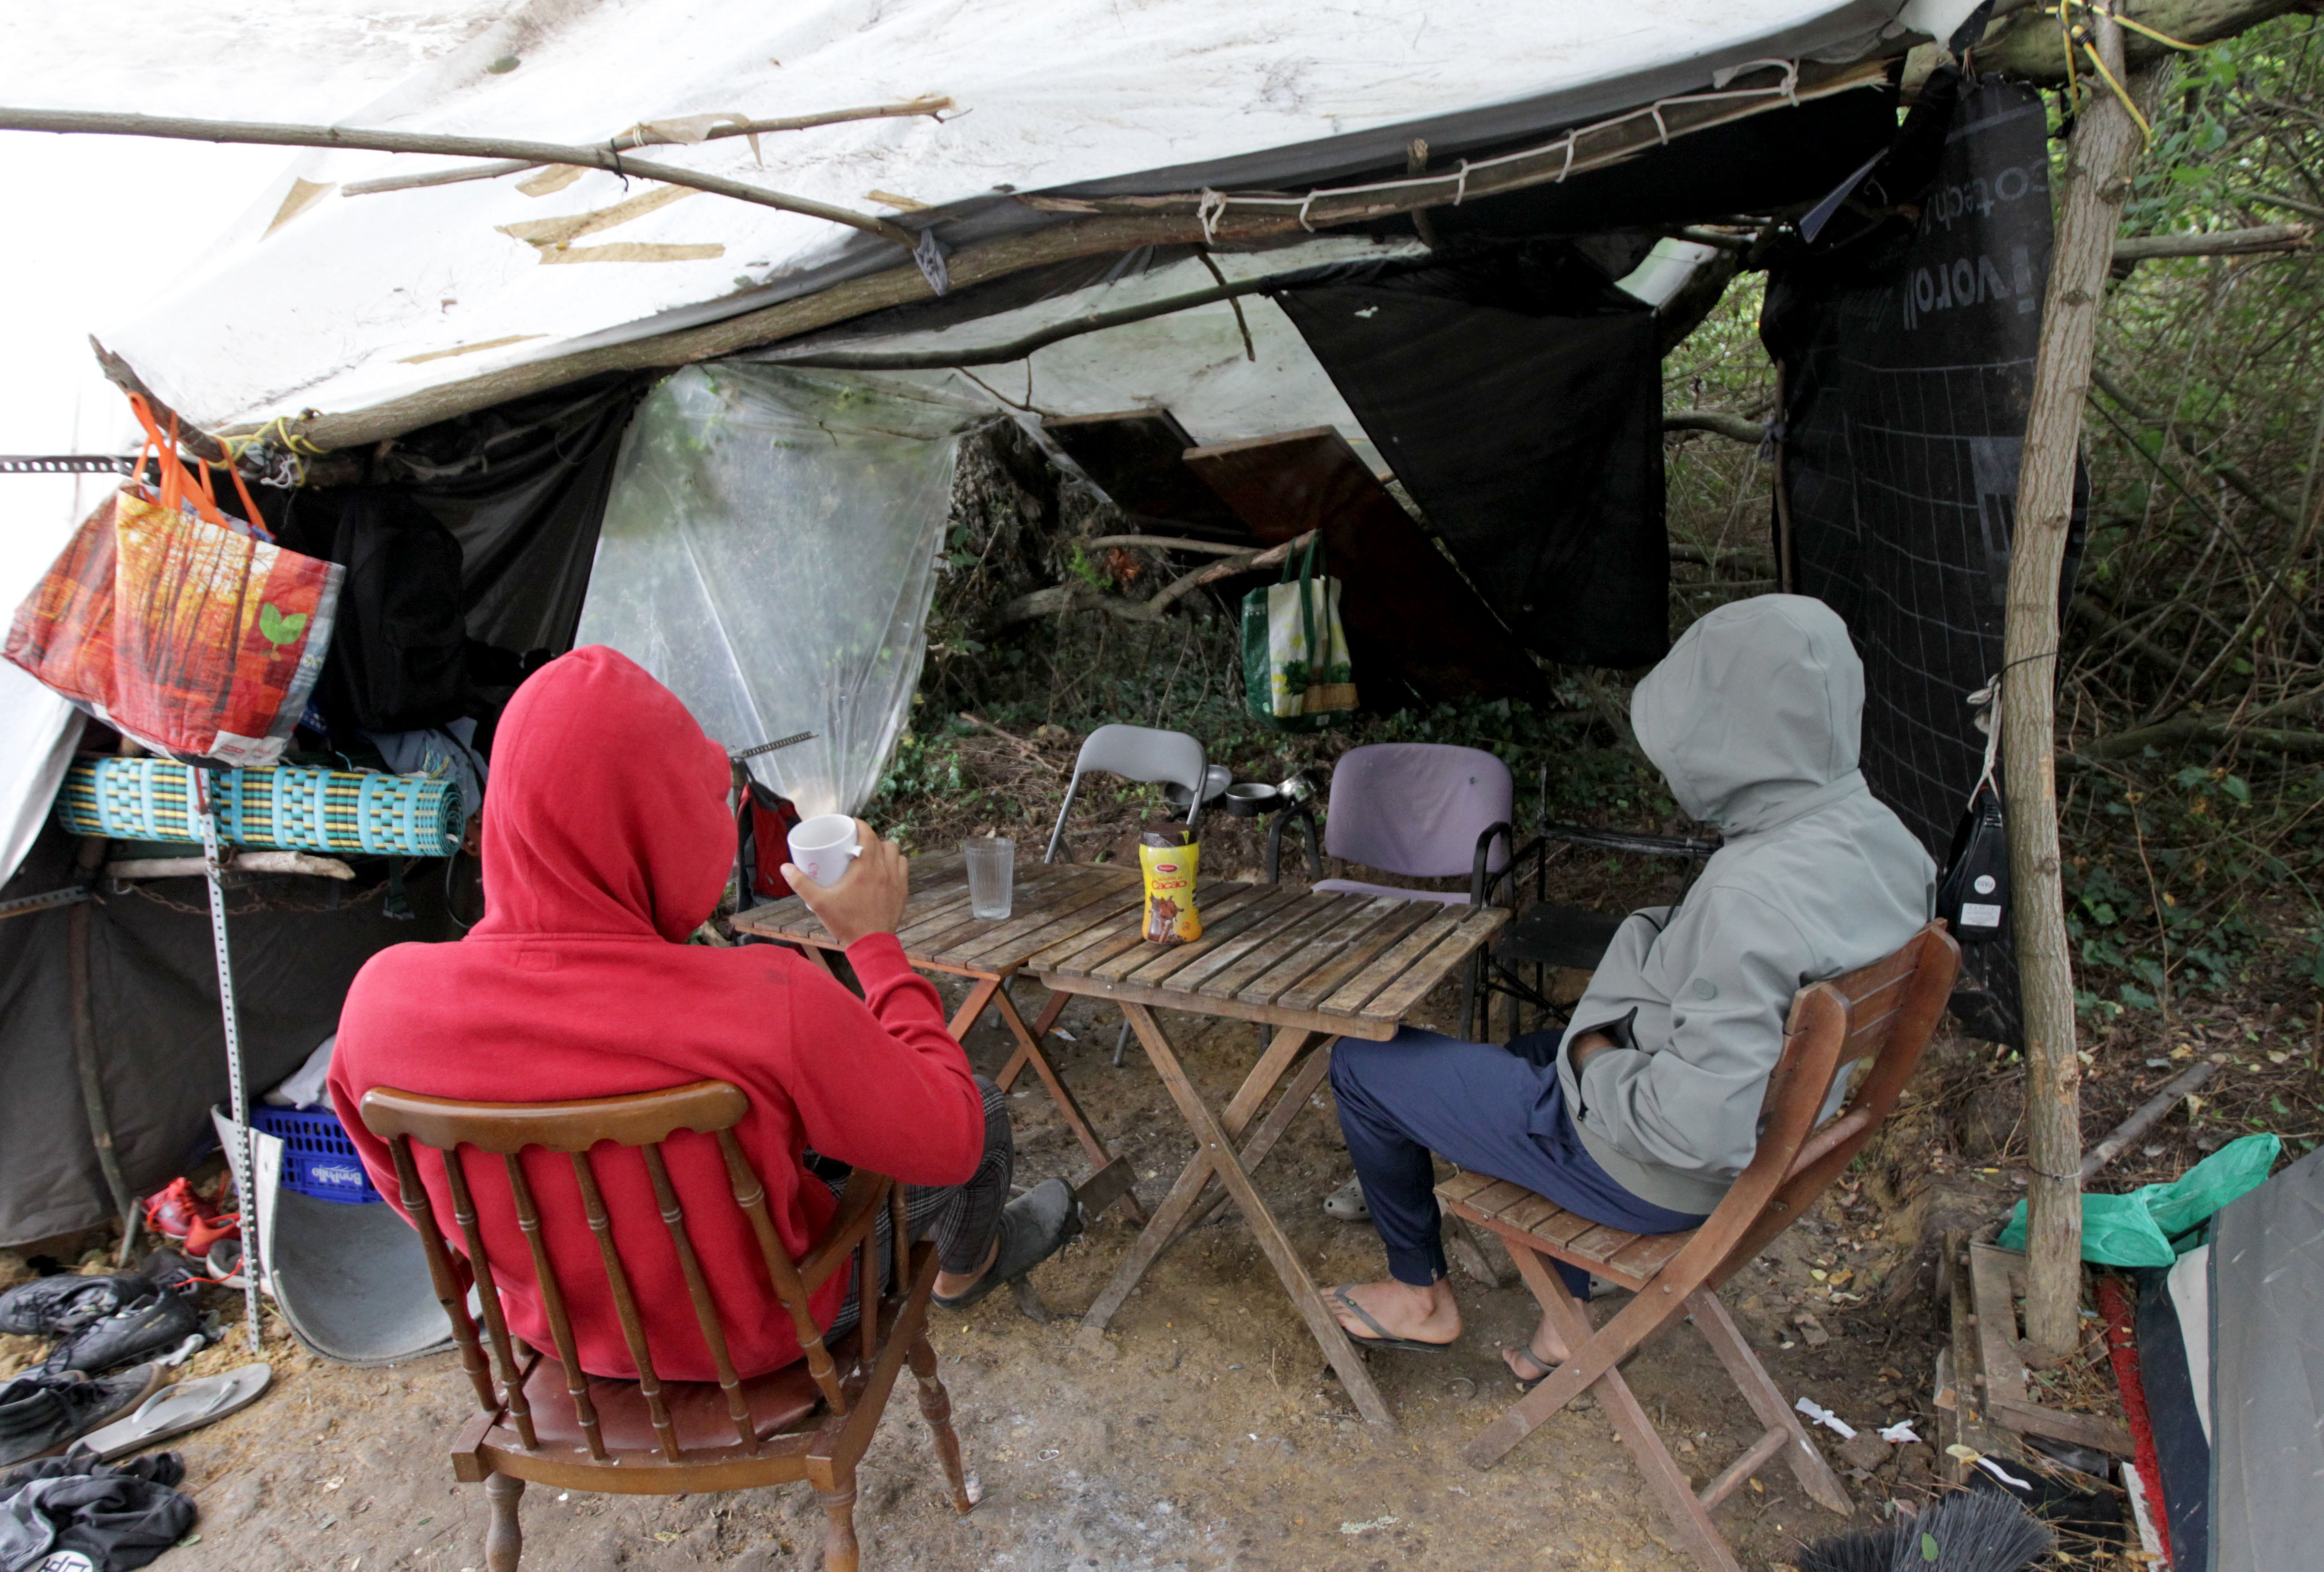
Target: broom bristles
1966 1530
1973 1531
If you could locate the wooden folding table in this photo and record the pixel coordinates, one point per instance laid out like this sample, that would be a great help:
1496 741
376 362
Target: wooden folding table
1051 903
1316 967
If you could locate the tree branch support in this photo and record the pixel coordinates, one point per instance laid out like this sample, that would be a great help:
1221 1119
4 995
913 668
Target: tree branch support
2104 149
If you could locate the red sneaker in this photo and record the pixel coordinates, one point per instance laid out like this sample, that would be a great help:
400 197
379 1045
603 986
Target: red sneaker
184 1214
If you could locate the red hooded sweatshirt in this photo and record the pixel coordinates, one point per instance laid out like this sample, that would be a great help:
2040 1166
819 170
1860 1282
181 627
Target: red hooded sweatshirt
607 841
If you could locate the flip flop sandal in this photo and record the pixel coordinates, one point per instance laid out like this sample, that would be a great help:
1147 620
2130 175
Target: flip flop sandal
1385 1339
1527 1382
188 1405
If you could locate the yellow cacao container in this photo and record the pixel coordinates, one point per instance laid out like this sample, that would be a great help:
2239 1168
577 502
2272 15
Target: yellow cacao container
1167 859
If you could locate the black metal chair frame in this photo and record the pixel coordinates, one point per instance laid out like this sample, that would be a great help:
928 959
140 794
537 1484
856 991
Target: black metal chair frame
1497 963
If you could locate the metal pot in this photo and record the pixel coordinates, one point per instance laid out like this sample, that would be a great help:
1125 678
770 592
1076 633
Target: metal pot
1250 799
1215 778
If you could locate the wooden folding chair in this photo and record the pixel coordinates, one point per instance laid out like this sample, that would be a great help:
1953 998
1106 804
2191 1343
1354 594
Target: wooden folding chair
1886 1011
547 1420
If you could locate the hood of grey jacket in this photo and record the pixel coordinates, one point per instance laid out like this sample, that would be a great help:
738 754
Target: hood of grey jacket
1757 706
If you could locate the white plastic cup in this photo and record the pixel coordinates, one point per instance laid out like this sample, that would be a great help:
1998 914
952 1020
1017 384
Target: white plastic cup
826 847
992 863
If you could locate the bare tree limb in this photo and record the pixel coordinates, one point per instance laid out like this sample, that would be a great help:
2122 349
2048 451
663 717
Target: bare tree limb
191 436
2289 204
2265 239
1168 543
2148 1115
1719 422
1060 599
181 129
2212 730
2100 155
2027 46
646 136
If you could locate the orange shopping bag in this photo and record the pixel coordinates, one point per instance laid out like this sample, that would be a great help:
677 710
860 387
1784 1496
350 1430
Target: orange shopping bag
181 630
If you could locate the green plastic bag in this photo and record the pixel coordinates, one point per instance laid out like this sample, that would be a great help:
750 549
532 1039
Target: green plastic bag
1294 653
2139 1229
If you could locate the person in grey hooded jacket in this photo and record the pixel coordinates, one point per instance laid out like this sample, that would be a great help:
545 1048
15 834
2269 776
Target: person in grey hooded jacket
1645 1109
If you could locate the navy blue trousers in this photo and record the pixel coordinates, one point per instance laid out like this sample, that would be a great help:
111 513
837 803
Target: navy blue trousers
1490 1109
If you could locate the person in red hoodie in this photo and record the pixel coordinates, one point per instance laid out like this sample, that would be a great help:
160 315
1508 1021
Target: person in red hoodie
607 843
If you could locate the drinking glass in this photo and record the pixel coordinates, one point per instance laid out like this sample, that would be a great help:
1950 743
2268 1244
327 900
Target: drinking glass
992 864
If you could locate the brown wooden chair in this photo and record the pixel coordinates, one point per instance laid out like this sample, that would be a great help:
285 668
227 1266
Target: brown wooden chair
1886 1011
547 1420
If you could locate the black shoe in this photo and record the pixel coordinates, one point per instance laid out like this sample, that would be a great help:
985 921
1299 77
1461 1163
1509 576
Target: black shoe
58 1306
173 1273
1034 1226
40 1413
140 1331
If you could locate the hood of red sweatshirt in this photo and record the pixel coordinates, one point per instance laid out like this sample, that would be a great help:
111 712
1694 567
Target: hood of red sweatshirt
607 813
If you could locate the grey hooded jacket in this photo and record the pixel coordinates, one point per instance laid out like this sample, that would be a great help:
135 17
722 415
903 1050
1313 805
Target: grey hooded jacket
1753 719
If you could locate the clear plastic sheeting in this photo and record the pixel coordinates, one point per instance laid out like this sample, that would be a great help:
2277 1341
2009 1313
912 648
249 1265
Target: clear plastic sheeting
770 552
1194 363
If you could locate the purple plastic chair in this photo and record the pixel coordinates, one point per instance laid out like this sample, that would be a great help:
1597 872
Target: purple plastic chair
1421 810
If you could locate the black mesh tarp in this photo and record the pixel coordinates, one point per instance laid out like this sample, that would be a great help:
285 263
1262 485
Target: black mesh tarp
1907 359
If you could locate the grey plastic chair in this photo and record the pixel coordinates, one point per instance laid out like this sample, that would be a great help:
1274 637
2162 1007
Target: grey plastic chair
1134 752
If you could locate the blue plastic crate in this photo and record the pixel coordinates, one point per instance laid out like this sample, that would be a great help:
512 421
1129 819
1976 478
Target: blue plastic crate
318 1158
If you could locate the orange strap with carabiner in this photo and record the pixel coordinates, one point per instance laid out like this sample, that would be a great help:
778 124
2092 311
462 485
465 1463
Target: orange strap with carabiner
201 496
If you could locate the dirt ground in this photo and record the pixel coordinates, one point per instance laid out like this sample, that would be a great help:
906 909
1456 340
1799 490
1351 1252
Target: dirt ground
1210 1433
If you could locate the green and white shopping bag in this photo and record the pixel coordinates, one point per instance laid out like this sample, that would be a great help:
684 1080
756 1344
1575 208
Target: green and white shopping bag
1294 653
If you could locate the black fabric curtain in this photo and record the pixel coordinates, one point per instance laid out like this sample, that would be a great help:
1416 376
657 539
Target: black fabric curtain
521 485
1906 350
161 1045
1531 442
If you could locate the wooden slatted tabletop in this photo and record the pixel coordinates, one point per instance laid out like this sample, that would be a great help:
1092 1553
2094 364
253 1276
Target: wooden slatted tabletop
1354 966
1051 904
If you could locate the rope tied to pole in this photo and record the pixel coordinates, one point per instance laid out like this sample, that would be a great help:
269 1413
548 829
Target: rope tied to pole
2077 34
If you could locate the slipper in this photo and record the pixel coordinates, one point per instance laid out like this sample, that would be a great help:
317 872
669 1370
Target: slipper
1386 1339
187 1405
1034 1226
1526 1382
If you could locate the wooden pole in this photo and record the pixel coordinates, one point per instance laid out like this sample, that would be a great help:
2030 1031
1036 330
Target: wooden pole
2098 159
179 129
646 136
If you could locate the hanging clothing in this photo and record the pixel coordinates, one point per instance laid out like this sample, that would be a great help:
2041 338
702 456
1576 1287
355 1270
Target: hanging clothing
607 841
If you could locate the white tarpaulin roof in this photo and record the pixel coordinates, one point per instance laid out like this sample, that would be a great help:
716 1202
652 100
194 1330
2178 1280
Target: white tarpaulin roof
328 301
75 202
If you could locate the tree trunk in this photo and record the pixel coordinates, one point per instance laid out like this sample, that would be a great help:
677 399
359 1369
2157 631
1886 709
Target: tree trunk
2105 143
